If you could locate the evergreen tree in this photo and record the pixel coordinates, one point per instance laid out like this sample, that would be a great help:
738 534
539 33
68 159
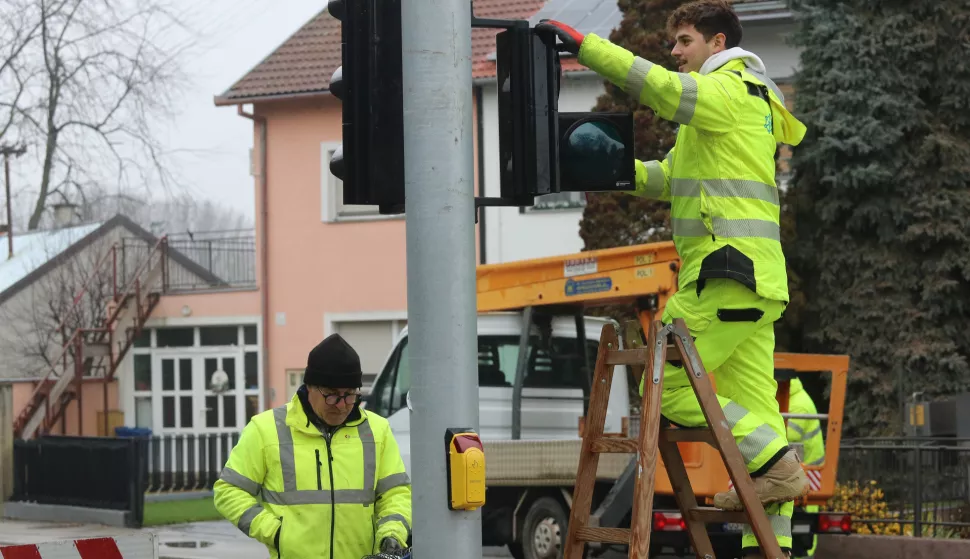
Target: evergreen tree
620 219
880 198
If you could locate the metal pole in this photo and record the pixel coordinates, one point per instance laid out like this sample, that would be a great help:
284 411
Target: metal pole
7 151
918 501
520 366
6 182
440 218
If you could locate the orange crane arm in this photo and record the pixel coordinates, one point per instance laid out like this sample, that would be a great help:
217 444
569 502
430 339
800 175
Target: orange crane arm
592 278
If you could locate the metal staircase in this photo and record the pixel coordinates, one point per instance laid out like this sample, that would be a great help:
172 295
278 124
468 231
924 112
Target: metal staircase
93 352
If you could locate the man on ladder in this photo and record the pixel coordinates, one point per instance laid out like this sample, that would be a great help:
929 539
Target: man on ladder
725 212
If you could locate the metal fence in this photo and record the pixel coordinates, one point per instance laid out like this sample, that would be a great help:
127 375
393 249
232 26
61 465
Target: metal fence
92 472
909 486
200 261
177 463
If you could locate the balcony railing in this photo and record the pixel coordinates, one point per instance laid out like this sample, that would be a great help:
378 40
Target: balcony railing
201 261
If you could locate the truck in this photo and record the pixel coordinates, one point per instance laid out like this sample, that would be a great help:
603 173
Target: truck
539 324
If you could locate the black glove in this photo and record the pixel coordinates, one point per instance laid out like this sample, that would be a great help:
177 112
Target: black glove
389 545
571 39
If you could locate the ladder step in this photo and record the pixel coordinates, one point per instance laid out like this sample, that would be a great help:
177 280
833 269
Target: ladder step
603 535
627 356
637 356
615 445
699 435
711 515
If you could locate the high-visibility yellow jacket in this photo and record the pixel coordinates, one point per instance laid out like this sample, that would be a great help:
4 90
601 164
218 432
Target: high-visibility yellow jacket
720 174
808 432
326 497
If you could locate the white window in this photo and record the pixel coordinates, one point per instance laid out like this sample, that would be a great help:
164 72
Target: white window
373 341
294 378
559 201
332 194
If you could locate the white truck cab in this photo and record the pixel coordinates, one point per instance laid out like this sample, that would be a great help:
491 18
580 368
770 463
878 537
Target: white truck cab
552 386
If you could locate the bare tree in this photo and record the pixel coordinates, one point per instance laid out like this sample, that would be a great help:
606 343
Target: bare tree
39 320
18 28
174 214
99 76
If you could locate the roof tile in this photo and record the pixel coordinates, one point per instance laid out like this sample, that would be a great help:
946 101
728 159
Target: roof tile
304 62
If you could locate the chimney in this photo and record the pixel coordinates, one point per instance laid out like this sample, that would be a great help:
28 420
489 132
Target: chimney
63 214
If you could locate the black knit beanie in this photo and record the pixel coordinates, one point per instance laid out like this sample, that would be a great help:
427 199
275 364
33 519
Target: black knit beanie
333 364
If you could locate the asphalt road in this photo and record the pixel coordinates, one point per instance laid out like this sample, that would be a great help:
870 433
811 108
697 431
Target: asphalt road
198 540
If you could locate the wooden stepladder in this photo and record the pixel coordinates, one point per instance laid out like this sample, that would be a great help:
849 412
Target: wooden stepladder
673 340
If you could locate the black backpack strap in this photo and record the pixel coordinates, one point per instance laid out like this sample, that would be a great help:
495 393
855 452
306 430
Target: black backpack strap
758 90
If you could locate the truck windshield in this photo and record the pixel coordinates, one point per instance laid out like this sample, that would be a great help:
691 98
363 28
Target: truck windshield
555 365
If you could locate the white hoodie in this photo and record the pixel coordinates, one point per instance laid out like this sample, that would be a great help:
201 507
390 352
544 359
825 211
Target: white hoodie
755 66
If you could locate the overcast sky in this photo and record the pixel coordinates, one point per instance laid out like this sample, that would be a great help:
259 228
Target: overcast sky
213 143
238 34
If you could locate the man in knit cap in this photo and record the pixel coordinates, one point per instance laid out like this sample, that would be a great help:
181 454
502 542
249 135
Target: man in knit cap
328 474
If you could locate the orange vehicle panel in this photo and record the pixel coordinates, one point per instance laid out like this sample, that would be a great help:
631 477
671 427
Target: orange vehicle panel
622 275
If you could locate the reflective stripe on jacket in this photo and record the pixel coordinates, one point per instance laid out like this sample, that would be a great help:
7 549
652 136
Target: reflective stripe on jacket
720 174
332 497
808 432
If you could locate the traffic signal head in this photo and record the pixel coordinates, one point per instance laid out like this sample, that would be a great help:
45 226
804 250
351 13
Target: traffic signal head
543 151
370 160
596 152
527 70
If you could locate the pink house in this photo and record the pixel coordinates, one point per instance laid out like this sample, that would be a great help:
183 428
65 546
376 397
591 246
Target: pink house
326 266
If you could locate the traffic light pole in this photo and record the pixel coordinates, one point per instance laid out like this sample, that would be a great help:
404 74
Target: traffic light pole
440 218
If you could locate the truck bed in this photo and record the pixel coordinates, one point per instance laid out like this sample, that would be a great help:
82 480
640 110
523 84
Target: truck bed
543 462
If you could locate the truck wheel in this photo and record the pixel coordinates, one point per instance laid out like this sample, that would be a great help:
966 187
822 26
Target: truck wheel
544 529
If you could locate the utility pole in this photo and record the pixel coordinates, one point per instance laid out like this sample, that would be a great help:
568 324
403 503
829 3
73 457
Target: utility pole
440 218
7 151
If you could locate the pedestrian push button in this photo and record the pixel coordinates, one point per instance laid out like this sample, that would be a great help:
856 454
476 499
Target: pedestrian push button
466 469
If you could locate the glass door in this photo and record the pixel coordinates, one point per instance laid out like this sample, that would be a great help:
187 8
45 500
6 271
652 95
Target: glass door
220 391
174 394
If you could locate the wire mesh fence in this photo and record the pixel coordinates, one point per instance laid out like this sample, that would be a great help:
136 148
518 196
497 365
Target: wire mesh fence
908 486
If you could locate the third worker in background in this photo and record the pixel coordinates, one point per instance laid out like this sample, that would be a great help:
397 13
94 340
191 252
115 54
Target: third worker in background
808 434
725 212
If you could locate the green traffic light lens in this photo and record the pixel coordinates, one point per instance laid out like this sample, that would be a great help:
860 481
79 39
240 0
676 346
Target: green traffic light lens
592 153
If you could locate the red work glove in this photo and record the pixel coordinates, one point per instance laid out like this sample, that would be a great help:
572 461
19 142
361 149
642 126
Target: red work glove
571 39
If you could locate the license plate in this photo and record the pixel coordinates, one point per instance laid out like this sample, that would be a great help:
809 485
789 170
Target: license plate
733 527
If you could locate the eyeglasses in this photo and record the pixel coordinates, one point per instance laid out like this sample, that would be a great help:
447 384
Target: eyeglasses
332 399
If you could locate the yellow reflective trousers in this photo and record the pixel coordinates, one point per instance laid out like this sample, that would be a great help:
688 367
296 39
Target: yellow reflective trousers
734 334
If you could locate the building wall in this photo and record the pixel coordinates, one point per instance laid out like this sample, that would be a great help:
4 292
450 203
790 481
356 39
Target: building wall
213 304
322 261
92 407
